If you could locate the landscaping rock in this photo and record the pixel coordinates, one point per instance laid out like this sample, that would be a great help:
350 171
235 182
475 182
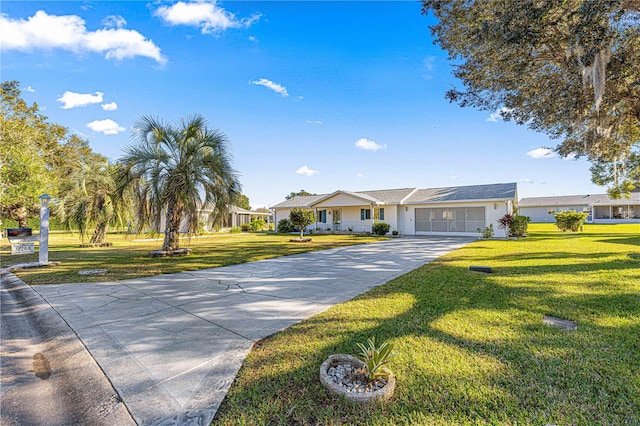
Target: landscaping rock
560 323
161 253
93 272
96 245
18 266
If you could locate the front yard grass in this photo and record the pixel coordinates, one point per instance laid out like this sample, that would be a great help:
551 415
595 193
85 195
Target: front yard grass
127 258
473 349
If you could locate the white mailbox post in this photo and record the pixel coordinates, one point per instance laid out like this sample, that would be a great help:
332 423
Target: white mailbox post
43 254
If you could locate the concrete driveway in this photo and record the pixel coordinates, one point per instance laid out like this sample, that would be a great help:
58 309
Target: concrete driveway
172 344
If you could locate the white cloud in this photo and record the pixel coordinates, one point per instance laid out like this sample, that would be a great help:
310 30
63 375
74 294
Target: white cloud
361 176
30 89
454 177
69 32
73 100
369 145
114 21
428 65
306 171
203 14
314 122
525 180
106 127
278 88
494 116
111 106
541 153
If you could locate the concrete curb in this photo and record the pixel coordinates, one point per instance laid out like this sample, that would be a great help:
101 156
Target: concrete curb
70 388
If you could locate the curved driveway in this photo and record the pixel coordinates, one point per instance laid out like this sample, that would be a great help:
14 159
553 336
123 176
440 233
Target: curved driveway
172 344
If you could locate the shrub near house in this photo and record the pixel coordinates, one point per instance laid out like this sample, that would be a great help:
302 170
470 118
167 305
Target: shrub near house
570 220
517 225
380 228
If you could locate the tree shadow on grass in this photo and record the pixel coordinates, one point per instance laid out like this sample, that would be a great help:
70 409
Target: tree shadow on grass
472 350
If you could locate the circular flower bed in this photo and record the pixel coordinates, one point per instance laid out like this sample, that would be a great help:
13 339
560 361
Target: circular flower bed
345 375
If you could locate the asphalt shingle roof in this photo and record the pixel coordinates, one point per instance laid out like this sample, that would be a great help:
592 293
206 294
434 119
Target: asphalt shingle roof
498 191
298 201
390 196
578 200
418 196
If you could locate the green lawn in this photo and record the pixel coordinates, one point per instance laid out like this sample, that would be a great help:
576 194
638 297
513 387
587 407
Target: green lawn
473 349
128 256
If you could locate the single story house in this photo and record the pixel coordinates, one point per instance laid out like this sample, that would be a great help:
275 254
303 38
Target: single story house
461 211
235 216
600 207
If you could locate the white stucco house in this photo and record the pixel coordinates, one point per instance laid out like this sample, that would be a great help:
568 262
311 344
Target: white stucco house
459 211
234 216
600 207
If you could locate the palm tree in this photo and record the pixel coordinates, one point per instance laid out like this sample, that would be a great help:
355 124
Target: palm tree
90 200
171 167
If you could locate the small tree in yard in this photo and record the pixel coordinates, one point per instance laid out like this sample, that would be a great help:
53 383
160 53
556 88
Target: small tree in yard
302 218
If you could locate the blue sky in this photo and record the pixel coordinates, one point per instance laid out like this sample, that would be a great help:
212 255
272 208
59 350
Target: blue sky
312 95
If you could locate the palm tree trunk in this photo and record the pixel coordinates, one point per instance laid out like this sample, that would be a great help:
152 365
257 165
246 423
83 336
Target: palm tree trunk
172 228
19 214
99 234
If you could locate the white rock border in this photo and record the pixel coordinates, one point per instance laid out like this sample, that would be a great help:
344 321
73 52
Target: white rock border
93 272
378 395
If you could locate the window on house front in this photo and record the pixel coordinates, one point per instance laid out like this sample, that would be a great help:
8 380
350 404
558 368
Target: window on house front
322 216
378 213
365 214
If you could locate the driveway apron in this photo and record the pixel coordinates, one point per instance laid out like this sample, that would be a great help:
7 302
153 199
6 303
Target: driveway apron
172 344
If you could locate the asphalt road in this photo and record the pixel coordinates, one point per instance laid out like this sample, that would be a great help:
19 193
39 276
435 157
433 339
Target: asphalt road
47 377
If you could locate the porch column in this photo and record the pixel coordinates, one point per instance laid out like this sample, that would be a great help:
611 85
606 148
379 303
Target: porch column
371 220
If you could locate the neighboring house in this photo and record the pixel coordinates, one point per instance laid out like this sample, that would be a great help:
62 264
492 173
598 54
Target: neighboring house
235 216
461 210
600 207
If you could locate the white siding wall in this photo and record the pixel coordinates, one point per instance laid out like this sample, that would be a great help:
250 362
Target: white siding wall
391 217
280 214
402 221
541 215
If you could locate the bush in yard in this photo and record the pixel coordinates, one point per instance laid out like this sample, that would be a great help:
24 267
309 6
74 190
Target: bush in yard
285 226
570 220
516 225
519 226
245 227
257 225
235 230
302 218
488 231
380 228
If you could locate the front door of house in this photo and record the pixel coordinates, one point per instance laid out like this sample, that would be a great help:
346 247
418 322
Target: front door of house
336 220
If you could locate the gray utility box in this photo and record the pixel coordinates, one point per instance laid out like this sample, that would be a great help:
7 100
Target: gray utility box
18 232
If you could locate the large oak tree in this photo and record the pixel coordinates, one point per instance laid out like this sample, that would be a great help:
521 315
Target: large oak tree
570 69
